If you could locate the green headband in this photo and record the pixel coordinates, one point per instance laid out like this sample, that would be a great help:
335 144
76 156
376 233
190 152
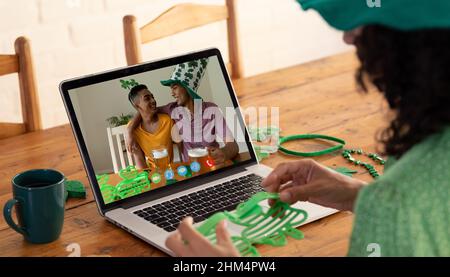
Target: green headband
404 15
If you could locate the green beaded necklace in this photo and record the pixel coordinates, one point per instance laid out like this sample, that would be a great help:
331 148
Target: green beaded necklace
346 153
259 134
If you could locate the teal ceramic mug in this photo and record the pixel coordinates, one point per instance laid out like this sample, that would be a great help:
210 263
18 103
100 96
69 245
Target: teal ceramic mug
38 196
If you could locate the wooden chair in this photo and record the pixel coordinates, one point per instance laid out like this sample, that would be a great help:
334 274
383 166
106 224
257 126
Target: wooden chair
22 63
180 18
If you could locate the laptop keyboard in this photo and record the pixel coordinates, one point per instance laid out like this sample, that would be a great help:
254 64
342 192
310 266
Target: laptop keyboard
203 203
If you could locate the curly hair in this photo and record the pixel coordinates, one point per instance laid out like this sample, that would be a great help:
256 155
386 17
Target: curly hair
412 70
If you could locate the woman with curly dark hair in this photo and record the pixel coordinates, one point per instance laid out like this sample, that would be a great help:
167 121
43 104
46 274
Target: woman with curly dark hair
404 50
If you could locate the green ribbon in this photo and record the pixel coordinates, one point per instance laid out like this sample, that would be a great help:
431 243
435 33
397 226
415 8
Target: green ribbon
310 136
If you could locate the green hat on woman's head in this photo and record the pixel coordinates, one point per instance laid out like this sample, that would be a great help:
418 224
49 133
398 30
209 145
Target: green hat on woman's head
403 15
189 76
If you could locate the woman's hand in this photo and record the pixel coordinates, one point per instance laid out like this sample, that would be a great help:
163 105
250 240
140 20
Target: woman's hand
307 180
188 242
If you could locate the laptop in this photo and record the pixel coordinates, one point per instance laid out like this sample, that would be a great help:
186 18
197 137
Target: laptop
181 179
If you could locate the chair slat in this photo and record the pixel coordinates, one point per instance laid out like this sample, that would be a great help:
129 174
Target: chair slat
180 18
11 129
111 148
119 147
8 64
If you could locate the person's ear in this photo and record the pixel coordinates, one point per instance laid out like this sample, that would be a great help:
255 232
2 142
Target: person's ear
351 36
136 105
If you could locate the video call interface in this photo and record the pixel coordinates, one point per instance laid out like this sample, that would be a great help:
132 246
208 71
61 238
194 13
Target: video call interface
157 128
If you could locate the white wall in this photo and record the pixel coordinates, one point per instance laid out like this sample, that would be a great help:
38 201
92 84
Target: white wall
76 37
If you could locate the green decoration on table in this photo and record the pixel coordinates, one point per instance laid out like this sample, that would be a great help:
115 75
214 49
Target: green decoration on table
109 193
346 153
265 139
75 189
310 136
128 173
135 186
372 171
269 135
102 179
133 183
260 154
345 171
261 225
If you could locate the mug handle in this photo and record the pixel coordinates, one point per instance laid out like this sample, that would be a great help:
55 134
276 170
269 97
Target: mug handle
7 214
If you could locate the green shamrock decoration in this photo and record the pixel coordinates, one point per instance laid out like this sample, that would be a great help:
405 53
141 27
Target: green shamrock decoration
128 84
260 226
346 171
75 189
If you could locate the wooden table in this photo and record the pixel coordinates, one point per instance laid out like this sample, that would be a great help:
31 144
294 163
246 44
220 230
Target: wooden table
318 97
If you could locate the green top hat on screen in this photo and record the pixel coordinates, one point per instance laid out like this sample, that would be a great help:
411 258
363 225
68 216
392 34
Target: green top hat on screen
189 76
405 15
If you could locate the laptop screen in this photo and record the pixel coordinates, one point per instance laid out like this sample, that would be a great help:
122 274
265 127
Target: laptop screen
178 121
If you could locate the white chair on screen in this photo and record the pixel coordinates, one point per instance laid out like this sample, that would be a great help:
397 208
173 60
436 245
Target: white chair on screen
115 137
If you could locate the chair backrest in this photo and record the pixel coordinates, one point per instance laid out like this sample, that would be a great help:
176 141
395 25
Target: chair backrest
180 18
22 63
118 134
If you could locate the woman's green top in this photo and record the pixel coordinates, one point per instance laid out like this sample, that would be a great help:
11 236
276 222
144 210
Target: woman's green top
406 212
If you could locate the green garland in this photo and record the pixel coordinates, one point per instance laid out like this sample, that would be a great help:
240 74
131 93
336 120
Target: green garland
346 153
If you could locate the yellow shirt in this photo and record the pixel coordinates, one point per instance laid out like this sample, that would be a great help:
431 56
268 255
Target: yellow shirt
161 138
